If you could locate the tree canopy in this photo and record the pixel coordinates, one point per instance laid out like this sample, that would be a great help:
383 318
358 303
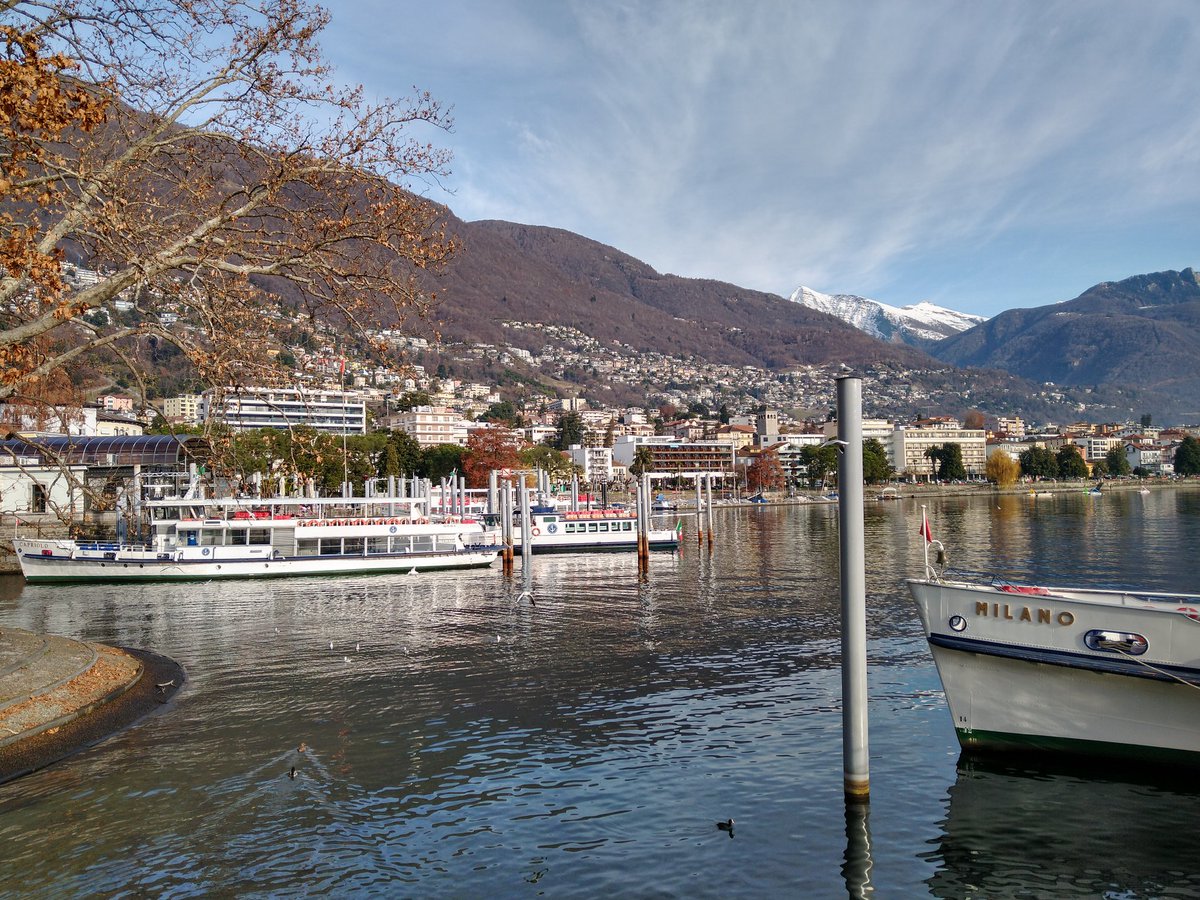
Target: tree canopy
643 462
819 463
193 153
489 449
1187 456
765 473
556 463
1070 462
1038 462
1117 462
948 458
1002 469
876 467
569 430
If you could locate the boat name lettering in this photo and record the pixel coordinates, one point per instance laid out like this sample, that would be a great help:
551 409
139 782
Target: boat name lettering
1039 615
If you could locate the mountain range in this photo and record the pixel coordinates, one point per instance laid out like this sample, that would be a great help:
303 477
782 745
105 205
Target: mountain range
1139 336
919 325
1120 349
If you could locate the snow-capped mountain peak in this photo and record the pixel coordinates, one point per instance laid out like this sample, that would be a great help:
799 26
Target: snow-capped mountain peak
917 324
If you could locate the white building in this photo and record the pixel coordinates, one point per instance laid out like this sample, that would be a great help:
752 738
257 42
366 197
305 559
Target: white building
1094 448
1013 426
909 443
29 418
109 425
881 430
243 409
596 462
29 487
430 426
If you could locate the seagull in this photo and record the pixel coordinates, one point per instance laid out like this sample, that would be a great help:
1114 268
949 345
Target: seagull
345 659
356 647
331 645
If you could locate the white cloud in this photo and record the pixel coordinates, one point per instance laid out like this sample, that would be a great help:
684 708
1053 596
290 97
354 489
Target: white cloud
844 145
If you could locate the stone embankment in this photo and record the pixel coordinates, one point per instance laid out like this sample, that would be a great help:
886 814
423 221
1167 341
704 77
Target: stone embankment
59 695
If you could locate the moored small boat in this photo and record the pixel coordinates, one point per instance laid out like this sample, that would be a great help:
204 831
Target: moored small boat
1082 670
554 531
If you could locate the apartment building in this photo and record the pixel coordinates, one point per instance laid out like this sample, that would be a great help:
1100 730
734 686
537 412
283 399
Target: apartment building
244 409
909 443
184 409
431 425
671 456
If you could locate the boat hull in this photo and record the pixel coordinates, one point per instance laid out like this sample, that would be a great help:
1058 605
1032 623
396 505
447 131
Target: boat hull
39 569
1019 674
544 545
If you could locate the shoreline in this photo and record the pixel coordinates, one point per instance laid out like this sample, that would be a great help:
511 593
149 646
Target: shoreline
58 705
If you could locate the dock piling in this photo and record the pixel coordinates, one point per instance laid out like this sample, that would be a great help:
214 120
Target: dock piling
855 764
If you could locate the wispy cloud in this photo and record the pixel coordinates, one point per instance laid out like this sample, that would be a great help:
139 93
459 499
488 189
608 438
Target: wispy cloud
855 147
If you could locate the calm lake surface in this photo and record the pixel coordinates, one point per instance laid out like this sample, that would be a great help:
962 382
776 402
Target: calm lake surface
474 744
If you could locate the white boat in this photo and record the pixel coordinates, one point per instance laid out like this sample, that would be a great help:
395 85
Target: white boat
1099 672
250 538
554 531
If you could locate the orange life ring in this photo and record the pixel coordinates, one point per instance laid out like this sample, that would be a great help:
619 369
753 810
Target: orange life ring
535 531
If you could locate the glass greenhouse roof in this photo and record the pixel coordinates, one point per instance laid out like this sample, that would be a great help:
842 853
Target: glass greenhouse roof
120 450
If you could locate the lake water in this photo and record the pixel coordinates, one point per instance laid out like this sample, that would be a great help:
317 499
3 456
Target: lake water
461 742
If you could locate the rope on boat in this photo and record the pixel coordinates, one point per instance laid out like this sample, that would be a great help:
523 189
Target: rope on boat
1153 668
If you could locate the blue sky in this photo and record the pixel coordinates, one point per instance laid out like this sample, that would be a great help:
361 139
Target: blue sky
979 155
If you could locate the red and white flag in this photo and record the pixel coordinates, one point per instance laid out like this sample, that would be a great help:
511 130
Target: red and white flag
928 535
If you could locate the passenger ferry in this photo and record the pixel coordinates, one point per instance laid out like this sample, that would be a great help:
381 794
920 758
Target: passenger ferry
256 538
552 530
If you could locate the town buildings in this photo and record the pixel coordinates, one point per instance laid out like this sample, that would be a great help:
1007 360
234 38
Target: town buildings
243 409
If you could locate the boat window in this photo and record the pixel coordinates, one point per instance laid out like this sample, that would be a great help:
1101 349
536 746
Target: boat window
445 543
627 526
307 547
570 526
237 537
331 546
260 536
604 526
549 519
210 537
401 545
377 545
593 526
353 546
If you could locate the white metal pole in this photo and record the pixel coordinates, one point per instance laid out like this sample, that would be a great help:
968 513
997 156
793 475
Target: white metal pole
855 764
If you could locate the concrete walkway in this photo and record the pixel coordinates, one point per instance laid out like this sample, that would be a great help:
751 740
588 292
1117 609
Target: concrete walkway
58 695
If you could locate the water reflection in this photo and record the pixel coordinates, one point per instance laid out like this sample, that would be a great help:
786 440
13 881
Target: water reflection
1019 832
462 741
857 864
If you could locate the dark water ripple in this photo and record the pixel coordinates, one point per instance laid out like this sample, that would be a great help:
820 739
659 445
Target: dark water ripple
459 742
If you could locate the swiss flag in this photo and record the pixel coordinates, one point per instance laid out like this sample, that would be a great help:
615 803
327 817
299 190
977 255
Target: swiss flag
925 530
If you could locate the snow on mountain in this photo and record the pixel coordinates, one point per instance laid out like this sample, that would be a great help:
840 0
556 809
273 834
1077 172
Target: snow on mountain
917 325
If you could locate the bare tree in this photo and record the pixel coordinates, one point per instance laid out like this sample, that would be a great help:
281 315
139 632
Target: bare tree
193 152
